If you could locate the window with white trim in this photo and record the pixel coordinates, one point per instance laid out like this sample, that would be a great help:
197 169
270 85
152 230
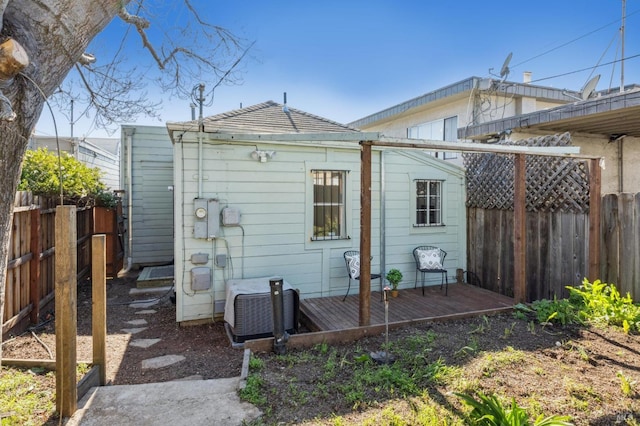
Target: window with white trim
329 212
444 129
428 195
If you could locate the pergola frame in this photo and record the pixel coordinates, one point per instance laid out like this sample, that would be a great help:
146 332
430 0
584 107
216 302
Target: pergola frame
519 206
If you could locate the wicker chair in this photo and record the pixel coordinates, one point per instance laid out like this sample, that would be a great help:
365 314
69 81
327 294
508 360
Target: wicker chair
430 260
352 261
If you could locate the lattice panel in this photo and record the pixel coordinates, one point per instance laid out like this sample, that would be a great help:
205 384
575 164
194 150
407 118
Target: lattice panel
552 183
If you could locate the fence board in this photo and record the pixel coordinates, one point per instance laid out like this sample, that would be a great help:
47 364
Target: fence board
556 253
30 278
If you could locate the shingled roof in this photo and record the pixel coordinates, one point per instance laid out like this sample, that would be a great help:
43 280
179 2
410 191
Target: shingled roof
268 117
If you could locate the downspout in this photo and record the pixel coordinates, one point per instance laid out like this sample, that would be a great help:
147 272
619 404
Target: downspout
383 225
620 165
200 136
129 178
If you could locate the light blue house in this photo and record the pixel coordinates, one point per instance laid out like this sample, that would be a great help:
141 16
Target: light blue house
269 190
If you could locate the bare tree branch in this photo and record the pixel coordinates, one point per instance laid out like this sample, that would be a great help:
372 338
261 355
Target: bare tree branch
194 52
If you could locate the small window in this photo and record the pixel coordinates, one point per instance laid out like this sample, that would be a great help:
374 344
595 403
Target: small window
428 202
329 204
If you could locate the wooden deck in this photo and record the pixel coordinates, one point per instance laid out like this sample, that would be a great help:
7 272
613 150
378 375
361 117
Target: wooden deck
463 300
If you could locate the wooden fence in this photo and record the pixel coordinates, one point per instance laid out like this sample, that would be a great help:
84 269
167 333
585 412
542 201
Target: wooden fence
621 242
557 221
556 251
30 279
557 226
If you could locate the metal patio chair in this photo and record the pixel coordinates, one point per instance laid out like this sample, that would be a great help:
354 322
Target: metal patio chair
352 261
430 260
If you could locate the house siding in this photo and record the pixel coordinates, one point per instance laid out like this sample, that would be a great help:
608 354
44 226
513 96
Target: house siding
149 241
274 236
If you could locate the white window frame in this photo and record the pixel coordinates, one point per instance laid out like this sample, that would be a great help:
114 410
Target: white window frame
427 208
443 129
345 232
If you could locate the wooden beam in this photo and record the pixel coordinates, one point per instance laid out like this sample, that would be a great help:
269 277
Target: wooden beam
519 230
308 340
66 310
595 213
379 140
34 267
365 234
99 305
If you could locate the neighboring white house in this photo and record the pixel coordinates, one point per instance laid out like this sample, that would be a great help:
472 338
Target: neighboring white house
607 125
102 153
269 190
439 114
146 180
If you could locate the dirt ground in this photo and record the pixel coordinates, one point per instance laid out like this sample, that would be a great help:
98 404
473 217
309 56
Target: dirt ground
572 370
552 370
206 348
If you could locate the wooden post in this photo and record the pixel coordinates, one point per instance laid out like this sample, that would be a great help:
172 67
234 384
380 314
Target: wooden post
595 213
519 230
34 267
365 234
99 305
66 310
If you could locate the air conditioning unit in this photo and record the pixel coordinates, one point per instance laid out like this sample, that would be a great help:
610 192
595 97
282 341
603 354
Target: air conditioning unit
253 313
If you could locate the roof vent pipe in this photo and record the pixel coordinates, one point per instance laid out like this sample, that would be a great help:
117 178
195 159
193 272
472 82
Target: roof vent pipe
526 77
284 107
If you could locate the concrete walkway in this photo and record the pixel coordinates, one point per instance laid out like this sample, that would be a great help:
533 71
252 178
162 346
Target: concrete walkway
187 402
181 402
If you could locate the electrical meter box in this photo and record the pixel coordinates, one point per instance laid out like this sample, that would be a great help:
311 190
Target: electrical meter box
231 216
206 218
200 278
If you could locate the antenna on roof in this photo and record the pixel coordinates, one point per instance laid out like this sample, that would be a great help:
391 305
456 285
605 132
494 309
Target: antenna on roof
284 107
504 71
588 88
586 91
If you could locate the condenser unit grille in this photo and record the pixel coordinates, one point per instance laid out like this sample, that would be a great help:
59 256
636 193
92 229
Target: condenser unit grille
253 315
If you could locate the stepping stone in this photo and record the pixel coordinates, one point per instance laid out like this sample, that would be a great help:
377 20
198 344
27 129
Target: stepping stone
134 330
161 361
142 305
144 343
146 312
137 322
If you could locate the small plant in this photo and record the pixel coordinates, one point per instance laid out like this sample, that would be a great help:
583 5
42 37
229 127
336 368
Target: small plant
626 385
252 391
394 277
561 311
488 410
508 331
601 303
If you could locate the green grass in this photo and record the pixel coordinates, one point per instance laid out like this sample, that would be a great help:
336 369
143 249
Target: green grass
22 402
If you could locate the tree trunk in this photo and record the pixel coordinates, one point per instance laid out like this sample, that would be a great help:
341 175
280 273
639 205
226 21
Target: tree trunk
54 33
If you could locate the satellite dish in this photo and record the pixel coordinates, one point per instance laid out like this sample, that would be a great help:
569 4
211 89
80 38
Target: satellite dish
505 66
588 88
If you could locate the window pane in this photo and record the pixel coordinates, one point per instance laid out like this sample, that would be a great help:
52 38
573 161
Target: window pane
328 205
428 202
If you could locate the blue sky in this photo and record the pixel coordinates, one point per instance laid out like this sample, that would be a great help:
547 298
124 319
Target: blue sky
344 60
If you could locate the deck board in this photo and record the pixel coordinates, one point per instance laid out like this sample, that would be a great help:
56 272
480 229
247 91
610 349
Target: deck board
331 313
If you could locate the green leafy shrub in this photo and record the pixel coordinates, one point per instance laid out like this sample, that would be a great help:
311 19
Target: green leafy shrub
601 303
41 173
561 311
488 411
